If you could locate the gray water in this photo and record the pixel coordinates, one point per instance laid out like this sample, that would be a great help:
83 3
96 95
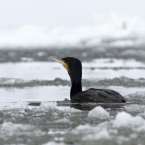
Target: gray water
35 107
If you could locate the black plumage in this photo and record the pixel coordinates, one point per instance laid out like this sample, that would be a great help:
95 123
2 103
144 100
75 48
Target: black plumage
98 96
74 68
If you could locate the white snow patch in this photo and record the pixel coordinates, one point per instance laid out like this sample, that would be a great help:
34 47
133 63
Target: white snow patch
98 112
124 119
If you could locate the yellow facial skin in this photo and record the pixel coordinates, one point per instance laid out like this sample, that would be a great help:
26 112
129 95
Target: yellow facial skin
65 65
60 61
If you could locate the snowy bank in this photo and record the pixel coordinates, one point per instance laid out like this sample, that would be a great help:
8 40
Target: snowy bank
109 29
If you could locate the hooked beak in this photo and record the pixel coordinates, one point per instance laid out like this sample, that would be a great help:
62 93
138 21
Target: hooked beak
60 61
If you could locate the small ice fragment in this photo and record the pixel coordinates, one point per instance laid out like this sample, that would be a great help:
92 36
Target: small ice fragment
18 105
103 134
135 108
26 59
81 128
47 105
53 143
97 132
9 129
40 54
98 112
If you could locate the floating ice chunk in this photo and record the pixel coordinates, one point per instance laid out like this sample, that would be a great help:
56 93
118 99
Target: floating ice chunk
124 119
137 95
11 81
103 134
53 132
47 105
18 105
98 112
54 143
98 132
14 127
135 108
121 139
26 59
81 128
122 43
40 54
21 105
87 128
10 129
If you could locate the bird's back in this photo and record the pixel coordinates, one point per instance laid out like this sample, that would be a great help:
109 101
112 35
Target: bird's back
98 96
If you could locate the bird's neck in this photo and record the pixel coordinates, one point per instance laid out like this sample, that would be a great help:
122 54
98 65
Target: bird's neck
75 88
76 81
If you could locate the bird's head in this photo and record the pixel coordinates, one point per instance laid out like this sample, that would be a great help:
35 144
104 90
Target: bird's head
72 65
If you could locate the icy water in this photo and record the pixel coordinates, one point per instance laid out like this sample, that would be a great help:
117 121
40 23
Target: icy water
34 106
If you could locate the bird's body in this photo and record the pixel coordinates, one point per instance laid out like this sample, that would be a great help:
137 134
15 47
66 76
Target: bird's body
74 68
98 96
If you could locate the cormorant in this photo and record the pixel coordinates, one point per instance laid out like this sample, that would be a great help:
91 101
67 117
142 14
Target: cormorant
74 68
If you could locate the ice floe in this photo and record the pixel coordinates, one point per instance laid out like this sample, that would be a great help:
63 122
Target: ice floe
121 81
98 112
